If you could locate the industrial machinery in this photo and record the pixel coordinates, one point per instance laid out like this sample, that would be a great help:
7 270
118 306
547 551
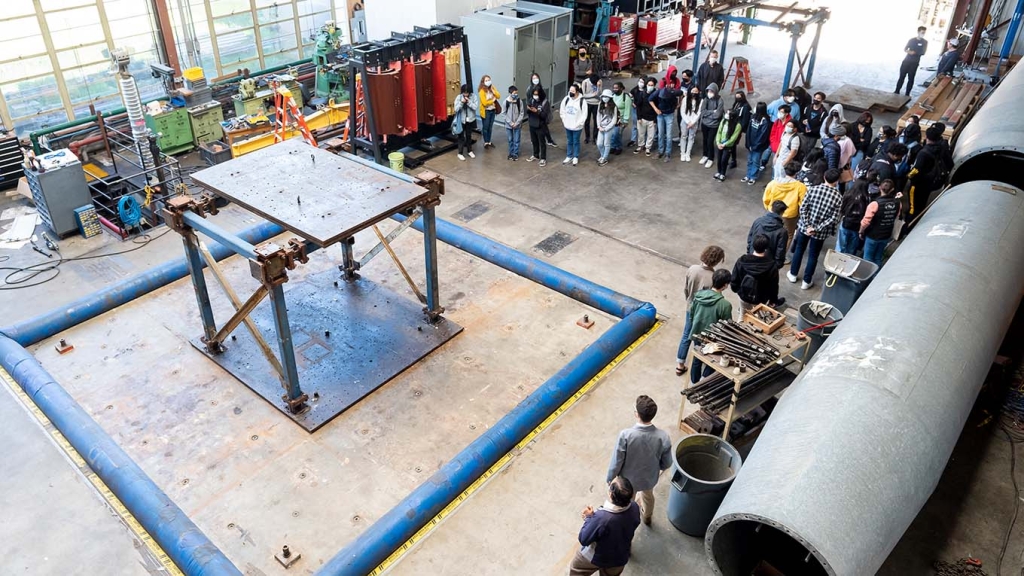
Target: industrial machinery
402 89
256 95
331 60
324 199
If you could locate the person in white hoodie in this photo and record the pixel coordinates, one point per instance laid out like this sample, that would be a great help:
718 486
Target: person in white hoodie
607 120
689 120
573 112
835 117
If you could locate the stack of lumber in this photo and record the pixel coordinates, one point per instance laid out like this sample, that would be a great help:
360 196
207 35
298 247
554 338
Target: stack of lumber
947 100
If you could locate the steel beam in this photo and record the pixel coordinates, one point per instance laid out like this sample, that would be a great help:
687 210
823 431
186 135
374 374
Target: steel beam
232 241
433 309
195 270
348 260
788 77
240 315
696 46
390 237
293 393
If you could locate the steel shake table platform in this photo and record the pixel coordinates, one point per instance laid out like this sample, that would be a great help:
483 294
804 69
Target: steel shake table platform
351 334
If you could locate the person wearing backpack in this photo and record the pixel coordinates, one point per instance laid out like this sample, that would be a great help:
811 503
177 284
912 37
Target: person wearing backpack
851 212
573 112
884 165
755 277
879 222
515 112
466 106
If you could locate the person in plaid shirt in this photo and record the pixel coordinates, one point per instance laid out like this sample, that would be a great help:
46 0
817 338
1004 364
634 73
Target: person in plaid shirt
819 214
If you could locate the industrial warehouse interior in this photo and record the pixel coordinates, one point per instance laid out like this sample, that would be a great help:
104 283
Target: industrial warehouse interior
463 287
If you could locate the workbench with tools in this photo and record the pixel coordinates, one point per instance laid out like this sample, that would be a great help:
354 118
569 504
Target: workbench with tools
753 360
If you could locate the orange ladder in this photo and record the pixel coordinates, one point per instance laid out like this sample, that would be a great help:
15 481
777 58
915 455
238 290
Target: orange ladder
284 104
739 69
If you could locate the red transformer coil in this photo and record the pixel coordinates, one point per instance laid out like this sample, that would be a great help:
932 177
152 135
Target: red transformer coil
410 118
386 98
439 107
424 91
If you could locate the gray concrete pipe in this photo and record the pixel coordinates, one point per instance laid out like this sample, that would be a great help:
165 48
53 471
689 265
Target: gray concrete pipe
991 144
859 441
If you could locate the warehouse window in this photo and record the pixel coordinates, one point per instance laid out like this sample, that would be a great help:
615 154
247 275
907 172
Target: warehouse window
55 58
223 36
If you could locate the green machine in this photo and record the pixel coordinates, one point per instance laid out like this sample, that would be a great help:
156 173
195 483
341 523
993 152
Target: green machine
173 129
332 71
255 97
205 120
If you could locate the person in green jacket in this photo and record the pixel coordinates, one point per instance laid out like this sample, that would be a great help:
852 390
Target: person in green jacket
709 306
624 102
729 131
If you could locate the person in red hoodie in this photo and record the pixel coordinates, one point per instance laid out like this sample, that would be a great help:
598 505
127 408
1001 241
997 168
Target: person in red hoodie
671 80
778 127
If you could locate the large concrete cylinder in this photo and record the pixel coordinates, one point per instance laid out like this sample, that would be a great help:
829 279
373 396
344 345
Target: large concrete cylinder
859 441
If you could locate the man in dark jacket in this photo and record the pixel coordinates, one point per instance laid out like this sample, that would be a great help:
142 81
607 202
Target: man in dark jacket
607 533
770 226
708 307
755 277
811 119
831 147
710 72
926 175
947 64
885 163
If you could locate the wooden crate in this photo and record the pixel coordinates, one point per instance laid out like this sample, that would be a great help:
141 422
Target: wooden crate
780 318
947 100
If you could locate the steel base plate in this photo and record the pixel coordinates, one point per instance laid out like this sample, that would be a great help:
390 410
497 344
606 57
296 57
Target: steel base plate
374 334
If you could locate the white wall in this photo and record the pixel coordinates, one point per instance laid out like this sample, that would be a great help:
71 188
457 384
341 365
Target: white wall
386 16
452 11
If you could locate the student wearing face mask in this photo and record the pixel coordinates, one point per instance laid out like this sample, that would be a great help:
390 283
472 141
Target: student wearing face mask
583 64
515 113
729 131
757 142
635 93
710 118
880 145
538 111
690 111
788 150
466 106
915 48
860 135
535 83
710 72
625 105
671 81
788 99
591 87
778 127
489 108
573 112
741 109
664 101
607 122
835 116
810 127
646 118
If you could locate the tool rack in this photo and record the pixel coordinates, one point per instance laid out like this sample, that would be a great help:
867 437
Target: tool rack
788 345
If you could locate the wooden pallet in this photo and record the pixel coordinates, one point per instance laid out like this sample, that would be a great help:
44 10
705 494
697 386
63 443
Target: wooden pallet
859 98
947 100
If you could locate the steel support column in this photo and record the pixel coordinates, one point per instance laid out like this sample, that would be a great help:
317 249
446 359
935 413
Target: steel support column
293 393
433 309
349 265
814 55
195 270
788 77
696 45
721 53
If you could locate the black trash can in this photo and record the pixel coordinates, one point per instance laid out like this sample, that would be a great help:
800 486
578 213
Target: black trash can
807 319
704 467
846 278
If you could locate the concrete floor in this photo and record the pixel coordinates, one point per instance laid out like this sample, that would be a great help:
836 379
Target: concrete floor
254 481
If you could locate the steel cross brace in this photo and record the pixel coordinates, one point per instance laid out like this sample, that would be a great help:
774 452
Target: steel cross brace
269 263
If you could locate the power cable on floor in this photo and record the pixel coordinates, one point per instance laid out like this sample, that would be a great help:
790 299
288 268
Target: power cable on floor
26 277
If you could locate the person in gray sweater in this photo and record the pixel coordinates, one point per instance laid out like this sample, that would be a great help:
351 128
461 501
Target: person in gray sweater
641 454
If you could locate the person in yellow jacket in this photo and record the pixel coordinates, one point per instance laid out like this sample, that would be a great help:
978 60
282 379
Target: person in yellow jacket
792 192
489 97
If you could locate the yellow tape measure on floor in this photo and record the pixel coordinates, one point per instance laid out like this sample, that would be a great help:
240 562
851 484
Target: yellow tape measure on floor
95 480
507 458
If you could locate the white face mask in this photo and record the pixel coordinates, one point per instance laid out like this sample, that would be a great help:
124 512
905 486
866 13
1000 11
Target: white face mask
640 83
789 129
713 60
605 98
711 94
487 83
536 81
789 99
650 89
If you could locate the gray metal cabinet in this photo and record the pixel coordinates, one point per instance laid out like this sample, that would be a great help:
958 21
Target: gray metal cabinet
511 42
59 190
